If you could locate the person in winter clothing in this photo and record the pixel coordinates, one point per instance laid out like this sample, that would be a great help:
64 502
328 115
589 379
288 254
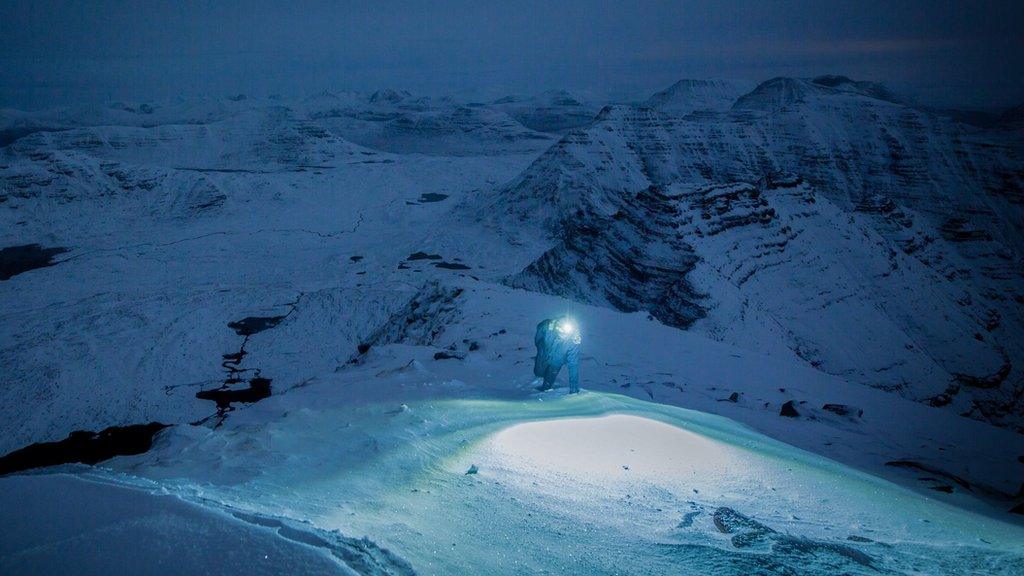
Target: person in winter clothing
558 343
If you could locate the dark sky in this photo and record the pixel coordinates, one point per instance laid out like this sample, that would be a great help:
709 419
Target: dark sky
60 52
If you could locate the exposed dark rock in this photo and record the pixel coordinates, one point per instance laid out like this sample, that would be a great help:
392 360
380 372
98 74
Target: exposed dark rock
785 544
355 258
83 446
254 324
688 518
421 321
451 266
789 410
423 256
959 230
432 197
990 381
259 388
17 259
734 397
749 532
929 469
945 397
632 258
843 410
442 355
214 202
831 80
729 521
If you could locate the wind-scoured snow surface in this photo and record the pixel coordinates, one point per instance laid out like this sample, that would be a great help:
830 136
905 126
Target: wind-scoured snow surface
800 304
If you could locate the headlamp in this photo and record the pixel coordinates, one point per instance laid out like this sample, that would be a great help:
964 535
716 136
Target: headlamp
566 328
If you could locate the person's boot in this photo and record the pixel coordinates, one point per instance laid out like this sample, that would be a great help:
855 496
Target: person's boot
544 387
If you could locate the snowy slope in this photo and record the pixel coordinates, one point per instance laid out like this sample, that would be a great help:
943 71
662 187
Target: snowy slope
133 321
62 524
902 223
381 448
350 282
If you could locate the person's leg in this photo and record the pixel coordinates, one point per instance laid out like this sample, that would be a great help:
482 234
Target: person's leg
550 375
573 360
540 360
539 367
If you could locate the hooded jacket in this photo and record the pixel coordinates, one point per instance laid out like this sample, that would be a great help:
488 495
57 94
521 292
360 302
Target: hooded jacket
555 350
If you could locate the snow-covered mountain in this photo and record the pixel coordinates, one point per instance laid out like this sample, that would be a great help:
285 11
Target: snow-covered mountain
306 328
688 96
554 111
396 121
828 217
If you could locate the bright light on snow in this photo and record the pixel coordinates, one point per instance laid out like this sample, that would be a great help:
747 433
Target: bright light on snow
614 448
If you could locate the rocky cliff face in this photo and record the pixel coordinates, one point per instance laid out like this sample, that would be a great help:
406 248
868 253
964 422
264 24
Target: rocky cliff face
825 218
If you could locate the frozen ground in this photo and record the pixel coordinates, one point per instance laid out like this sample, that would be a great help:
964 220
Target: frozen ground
322 252
67 524
596 484
615 481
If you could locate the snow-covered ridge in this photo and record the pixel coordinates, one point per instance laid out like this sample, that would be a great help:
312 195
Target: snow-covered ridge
108 528
555 111
388 120
687 96
893 235
330 304
779 93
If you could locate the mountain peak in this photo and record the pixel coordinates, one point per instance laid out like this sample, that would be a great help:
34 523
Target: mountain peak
389 96
781 92
690 95
832 80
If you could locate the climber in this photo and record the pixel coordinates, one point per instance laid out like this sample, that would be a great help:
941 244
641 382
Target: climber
558 342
